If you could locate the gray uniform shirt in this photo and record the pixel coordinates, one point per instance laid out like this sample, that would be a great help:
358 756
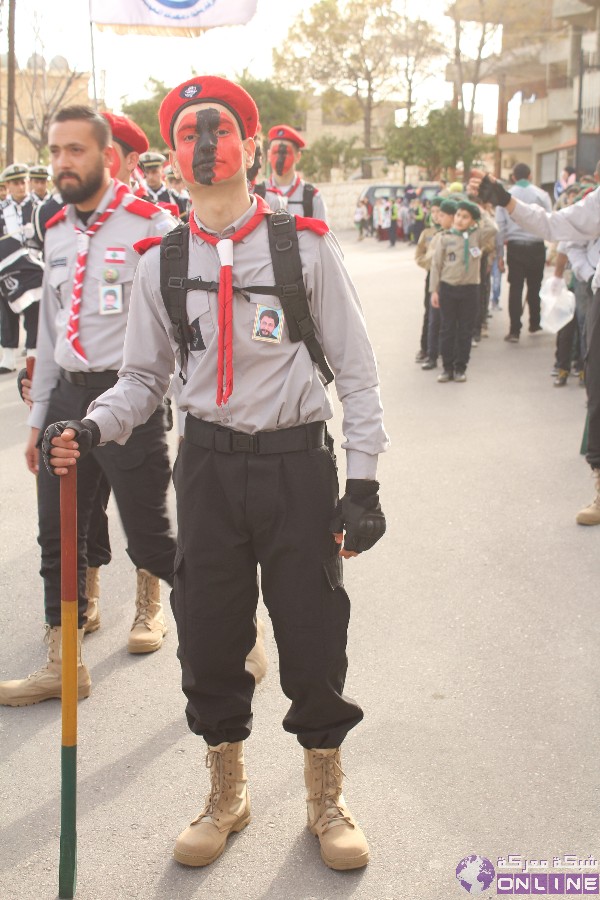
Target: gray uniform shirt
292 200
579 222
276 384
510 229
111 263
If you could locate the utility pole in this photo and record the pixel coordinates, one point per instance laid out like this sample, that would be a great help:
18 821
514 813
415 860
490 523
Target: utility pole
10 86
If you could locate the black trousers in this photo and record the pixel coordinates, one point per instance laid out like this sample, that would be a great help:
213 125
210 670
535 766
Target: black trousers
236 511
592 381
10 323
426 314
458 308
525 266
138 473
567 345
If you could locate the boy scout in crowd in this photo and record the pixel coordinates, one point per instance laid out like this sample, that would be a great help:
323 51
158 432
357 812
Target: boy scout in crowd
38 182
423 259
255 477
575 223
285 189
21 269
455 285
158 192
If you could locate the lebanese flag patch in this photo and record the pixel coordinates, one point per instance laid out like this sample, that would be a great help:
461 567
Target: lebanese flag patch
115 255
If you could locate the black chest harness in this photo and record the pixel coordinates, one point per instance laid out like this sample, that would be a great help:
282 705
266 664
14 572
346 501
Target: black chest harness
289 286
308 194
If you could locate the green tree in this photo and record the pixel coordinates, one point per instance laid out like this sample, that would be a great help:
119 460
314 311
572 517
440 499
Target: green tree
145 113
276 104
329 153
438 145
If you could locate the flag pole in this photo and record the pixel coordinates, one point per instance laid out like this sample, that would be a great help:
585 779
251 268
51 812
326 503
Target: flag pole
93 56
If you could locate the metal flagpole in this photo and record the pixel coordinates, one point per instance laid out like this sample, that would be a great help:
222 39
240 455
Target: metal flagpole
93 56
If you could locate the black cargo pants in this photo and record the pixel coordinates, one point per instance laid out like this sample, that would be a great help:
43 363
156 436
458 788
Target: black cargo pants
139 475
239 508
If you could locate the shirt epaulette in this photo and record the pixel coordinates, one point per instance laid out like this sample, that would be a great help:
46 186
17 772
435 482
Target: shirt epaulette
303 223
140 247
142 208
56 218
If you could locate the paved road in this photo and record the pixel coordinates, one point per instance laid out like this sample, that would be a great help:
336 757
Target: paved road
473 648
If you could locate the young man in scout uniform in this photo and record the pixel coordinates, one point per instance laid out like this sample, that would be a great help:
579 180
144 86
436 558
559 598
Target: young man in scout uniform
21 269
158 192
285 189
255 479
38 182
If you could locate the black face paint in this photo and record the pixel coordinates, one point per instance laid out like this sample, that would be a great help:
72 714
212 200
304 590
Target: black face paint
205 149
282 152
252 172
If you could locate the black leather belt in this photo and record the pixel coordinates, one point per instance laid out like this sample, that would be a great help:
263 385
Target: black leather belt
225 440
525 243
91 379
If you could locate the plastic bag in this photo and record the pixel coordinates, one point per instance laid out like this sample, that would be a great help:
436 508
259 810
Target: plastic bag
558 304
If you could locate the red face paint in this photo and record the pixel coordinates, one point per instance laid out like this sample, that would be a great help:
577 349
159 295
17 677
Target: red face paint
281 156
208 146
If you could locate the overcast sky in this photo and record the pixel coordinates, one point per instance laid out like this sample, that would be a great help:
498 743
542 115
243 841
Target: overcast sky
125 62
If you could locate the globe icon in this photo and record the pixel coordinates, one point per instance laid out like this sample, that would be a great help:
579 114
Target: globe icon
475 873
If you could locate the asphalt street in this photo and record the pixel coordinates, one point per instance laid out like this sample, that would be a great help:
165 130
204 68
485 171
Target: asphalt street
473 648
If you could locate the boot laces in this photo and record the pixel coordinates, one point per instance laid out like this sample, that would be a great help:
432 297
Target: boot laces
143 602
219 784
332 775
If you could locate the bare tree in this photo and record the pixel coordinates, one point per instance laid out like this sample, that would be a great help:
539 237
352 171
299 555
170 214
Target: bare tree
469 70
416 45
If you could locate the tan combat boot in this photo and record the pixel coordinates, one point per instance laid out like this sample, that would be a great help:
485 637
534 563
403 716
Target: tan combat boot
46 683
256 661
343 844
227 808
590 515
92 590
149 626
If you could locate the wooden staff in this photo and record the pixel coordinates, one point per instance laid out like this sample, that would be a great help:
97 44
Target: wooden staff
67 872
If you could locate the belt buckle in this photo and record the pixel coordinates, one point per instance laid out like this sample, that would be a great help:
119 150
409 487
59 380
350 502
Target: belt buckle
243 443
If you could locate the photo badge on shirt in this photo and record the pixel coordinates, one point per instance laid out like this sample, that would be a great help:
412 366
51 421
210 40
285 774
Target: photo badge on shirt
111 299
268 325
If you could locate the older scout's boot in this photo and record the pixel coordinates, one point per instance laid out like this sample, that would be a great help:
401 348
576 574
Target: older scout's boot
46 683
256 661
92 590
343 845
590 515
227 808
149 626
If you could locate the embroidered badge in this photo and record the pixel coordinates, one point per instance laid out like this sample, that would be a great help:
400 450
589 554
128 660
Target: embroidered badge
59 261
197 341
111 300
115 255
190 91
451 257
475 252
110 276
268 325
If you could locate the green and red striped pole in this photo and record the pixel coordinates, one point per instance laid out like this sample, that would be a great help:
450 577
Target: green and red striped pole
67 870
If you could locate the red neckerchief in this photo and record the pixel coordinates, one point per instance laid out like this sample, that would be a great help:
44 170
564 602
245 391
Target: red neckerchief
225 250
83 244
273 189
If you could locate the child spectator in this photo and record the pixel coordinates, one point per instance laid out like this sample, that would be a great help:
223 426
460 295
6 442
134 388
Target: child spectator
445 217
455 280
422 259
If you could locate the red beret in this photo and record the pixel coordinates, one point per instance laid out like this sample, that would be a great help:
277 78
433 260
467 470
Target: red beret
208 89
286 133
126 131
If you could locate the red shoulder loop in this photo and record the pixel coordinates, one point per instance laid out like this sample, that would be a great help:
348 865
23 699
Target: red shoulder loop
141 208
170 208
303 223
57 217
145 244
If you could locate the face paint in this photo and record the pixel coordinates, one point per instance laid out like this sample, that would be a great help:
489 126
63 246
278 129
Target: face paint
281 156
208 147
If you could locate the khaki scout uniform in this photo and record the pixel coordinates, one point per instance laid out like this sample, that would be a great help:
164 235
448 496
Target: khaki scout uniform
255 482
290 197
64 385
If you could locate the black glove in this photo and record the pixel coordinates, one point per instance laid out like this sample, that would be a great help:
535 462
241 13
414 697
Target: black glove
22 374
87 435
359 513
168 414
493 192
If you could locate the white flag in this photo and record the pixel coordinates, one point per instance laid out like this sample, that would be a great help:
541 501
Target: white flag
186 18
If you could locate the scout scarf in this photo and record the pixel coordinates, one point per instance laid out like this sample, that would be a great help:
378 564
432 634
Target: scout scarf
225 250
83 244
273 189
465 236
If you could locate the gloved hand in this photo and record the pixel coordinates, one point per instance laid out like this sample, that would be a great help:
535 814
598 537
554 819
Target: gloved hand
493 192
21 377
360 515
87 435
168 414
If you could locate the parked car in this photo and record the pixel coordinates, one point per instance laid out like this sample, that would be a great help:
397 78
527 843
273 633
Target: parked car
375 191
